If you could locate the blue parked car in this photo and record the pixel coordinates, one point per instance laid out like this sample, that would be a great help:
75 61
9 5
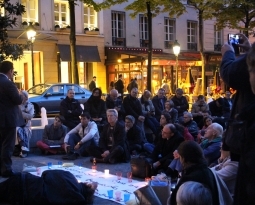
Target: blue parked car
50 96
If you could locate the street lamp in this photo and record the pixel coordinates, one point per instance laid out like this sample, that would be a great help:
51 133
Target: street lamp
31 38
176 50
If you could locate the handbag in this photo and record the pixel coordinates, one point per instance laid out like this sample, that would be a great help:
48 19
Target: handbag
162 190
141 166
234 134
147 196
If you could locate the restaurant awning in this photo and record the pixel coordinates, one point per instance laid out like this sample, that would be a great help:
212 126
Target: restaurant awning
83 53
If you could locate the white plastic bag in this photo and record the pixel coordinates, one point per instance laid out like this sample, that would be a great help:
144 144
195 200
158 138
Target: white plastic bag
44 119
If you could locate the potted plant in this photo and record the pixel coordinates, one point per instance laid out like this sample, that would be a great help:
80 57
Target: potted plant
36 25
57 27
86 29
24 24
68 28
95 31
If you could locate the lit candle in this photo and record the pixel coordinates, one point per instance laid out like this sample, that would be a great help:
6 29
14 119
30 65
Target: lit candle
106 172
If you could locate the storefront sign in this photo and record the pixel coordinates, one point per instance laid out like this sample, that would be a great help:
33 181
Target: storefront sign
173 63
215 58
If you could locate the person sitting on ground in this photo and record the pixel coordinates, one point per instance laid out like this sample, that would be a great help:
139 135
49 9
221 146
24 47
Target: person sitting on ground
159 103
226 169
180 103
149 112
190 124
193 193
114 102
53 187
95 106
113 147
53 137
162 153
79 138
207 121
71 110
24 133
184 132
133 135
212 143
195 169
199 108
169 107
164 119
133 107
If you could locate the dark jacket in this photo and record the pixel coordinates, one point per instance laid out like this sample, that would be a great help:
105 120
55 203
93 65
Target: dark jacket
166 147
92 85
198 173
245 182
131 85
174 115
159 107
119 85
10 114
132 106
222 111
110 104
119 139
53 187
74 106
53 136
96 110
180 104
192 127
134 135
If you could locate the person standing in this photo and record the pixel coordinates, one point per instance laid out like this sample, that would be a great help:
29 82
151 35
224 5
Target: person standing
119 85
92 84
11 116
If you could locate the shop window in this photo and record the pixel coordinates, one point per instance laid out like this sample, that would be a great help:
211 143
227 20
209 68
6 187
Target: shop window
31 11
118 28
61 13
170 32
218 39
192 35
89 17
143 30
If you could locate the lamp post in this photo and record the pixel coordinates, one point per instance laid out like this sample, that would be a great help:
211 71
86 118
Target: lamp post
176 50
31 38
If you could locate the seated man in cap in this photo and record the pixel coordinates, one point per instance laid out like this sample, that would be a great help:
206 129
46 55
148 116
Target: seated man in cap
53 136
133 135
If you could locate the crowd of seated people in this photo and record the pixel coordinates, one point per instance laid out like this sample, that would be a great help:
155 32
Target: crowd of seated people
122 132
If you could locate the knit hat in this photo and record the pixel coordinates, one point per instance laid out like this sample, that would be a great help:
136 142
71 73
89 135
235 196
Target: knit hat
131 118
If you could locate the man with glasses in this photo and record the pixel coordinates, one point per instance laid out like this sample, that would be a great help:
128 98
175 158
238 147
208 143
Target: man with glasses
11 117
71 110
53 137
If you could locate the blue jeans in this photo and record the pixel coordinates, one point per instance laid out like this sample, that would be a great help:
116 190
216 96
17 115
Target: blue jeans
148 147
74 139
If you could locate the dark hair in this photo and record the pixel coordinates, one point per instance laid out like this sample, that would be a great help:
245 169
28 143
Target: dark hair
97 89
120 75
200 97
180 128
205 118
172 128
86 114
167 116
191 152
60 117
6 66
250 59
112 83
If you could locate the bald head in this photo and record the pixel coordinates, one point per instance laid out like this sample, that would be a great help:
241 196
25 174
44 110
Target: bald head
113 94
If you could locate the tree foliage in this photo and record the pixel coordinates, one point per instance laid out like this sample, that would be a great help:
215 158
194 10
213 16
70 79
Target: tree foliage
236 14
9 20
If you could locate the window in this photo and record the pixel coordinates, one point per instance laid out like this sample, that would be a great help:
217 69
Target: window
217 36
192 35
61 13
169 30
76 89
89 17
56 90
31 8
143 27
118 28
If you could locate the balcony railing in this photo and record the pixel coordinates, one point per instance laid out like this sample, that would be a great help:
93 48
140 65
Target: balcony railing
144 43
192 46
116 41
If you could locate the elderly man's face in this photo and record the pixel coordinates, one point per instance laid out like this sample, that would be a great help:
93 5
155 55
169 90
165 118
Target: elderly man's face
161 94
128 124
113 96
111 117
186 118
210 133
70 94
166 132
134 93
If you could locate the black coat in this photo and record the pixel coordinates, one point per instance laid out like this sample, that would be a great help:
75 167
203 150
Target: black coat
166 147
132 106
134 135
119 85
119 138
53 187
74 106
180 104
158 105
198 173
110 104
10 114
96 110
